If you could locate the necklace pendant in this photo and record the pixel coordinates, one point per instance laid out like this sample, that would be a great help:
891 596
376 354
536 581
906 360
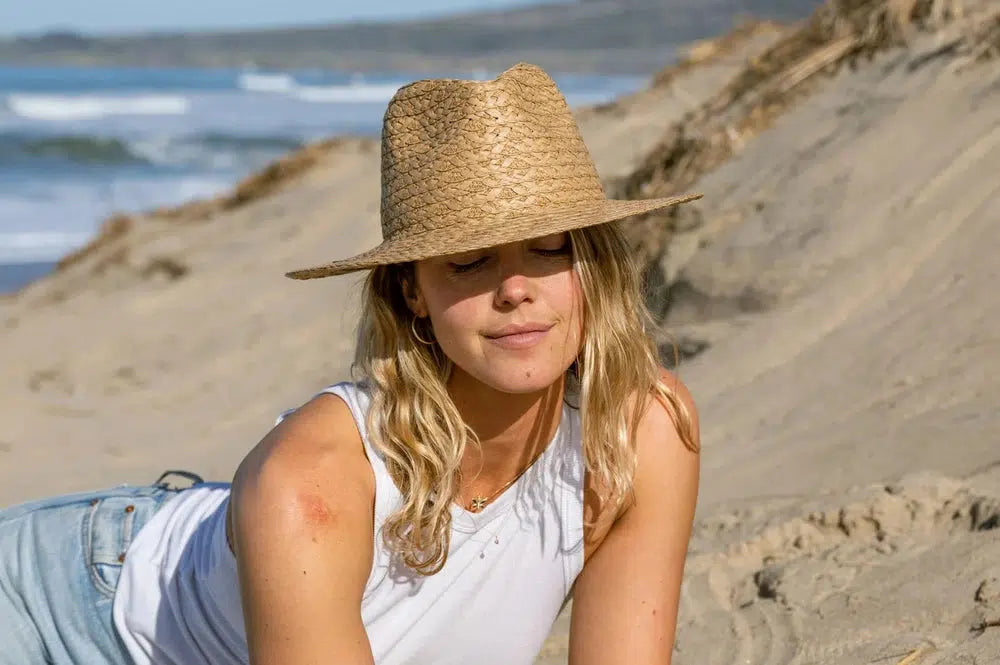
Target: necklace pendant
478 503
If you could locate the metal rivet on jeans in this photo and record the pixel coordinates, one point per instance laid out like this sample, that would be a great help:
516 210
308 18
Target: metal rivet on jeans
121 558
129 509
93 502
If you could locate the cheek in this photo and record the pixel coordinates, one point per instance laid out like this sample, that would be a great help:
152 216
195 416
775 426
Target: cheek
564 296
457 320
567 298
452 310
577 324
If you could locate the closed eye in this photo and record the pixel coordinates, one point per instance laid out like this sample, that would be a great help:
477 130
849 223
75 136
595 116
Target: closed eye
466 267
558 251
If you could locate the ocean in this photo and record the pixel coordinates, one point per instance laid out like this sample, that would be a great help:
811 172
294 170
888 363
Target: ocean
79 144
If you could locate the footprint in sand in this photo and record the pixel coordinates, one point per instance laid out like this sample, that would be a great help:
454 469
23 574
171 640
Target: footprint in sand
124 379
53 378
987 605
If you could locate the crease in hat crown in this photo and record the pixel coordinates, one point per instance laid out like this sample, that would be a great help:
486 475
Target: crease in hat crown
469 164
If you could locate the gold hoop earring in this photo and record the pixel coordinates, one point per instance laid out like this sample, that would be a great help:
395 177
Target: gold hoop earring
413 329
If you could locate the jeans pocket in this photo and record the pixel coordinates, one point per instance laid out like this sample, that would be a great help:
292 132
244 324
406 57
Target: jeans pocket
112 523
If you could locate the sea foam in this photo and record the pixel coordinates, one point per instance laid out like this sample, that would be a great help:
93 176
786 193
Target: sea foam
79 107
34 246
254 82
354 93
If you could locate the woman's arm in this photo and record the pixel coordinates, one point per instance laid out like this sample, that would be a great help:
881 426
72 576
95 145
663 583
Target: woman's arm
302 535
625 600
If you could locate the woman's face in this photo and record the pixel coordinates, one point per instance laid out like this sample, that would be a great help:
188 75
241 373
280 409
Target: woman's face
508 316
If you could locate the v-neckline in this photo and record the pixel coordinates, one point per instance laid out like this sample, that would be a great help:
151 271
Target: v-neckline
464 519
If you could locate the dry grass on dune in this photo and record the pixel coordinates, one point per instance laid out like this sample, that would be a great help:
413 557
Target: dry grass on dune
840 33
708 51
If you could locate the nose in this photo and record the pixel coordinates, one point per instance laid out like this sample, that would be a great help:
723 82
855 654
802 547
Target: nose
514 286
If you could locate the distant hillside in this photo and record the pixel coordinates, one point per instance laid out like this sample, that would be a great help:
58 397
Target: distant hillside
624 36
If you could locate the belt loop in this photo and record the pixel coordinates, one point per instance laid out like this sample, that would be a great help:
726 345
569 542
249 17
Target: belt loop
193 477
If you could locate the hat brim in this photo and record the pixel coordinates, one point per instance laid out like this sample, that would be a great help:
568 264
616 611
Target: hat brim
479 234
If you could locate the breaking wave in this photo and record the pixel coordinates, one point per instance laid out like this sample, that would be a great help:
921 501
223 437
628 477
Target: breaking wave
36 246
204 150
83 107
354 93
254 82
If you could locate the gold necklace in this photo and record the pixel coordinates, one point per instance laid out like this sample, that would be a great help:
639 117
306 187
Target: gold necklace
479 502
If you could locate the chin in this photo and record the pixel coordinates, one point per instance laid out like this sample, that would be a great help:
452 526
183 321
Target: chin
519 377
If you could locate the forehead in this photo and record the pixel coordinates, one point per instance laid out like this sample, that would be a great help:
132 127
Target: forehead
517 244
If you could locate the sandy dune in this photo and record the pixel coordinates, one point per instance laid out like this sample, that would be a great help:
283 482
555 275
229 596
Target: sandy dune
841 271
840 274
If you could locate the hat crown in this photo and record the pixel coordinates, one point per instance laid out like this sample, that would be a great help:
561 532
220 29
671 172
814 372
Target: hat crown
456 150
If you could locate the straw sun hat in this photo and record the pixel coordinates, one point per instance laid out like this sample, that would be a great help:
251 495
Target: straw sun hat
473 164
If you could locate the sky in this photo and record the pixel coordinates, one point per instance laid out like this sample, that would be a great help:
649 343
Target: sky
118 16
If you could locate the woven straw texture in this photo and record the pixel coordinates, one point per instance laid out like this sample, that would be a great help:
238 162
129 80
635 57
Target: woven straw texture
473 164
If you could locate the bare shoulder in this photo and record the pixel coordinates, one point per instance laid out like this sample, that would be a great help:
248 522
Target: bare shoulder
302 516
666 444
668 447
308 475
667 417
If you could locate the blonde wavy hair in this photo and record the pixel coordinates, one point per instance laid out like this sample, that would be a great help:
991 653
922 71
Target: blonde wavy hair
416 426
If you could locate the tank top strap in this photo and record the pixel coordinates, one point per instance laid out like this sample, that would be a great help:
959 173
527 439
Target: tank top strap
387 495
357 401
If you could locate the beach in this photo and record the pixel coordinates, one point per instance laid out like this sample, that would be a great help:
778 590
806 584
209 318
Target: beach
833 296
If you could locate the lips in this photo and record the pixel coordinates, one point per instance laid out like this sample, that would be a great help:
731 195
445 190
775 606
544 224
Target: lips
519 336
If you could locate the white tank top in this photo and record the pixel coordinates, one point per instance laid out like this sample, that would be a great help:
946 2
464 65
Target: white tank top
508 572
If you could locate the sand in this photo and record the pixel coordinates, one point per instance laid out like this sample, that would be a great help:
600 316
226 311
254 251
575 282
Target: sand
839 279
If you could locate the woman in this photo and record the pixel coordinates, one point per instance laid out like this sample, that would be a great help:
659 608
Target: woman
511 438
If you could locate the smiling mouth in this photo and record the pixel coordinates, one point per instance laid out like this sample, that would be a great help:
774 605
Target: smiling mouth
518 337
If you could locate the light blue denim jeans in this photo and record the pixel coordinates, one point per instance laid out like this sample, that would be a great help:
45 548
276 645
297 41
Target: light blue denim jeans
60 559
